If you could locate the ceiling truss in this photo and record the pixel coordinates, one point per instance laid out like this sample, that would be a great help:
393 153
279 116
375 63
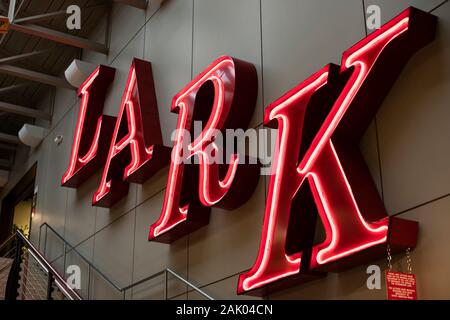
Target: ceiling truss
11 63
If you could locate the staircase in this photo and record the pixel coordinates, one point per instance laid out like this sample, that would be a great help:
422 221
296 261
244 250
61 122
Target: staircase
25 274
5 266
28 273
33 284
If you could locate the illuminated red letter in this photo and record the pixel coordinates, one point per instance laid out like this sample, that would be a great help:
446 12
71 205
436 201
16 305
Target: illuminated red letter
223 97
136 141
318 167
93 130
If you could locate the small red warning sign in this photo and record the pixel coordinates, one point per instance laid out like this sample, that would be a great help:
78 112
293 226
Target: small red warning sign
401 286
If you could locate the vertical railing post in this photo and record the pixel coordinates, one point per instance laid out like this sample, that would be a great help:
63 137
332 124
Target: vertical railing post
50 286
166 288
89 282
40 235
64 262
45 242
12 284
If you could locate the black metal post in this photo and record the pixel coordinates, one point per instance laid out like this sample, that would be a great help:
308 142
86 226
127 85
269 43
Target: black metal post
12 285
50 286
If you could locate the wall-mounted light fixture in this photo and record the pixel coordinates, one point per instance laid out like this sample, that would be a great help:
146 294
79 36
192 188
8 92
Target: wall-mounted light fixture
31 135
78 71
58 139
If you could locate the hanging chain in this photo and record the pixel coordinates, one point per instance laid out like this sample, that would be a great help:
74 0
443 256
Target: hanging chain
408 260
389 257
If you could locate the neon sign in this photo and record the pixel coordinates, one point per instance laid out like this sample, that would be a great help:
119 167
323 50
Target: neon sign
231 86
136 141
317 171
93 129
323 173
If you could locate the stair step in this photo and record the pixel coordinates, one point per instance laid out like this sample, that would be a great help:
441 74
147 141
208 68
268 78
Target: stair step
5 265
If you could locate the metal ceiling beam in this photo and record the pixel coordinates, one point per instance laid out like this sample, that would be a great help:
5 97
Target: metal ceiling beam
35 76
59 37
12 10
22 56
8 147
6 164
41 17
141 4
23 111
13 87
8 138
4 176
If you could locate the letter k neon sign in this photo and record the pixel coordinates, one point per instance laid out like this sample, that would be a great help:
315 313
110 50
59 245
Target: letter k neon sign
319 171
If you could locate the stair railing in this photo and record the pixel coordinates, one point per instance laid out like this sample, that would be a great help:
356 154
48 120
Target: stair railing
68 248
30 266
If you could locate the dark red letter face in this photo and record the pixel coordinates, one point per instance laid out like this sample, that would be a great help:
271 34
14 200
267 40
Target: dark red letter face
136 151
93 130
318 169
222 97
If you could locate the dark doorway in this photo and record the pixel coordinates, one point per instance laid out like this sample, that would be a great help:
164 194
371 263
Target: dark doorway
18 206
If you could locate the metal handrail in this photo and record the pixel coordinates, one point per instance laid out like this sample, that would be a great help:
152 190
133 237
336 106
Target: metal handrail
112 282
6 242
69 292
189 284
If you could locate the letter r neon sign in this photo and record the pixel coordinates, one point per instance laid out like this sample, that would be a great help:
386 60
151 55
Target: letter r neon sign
318 167
223 97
